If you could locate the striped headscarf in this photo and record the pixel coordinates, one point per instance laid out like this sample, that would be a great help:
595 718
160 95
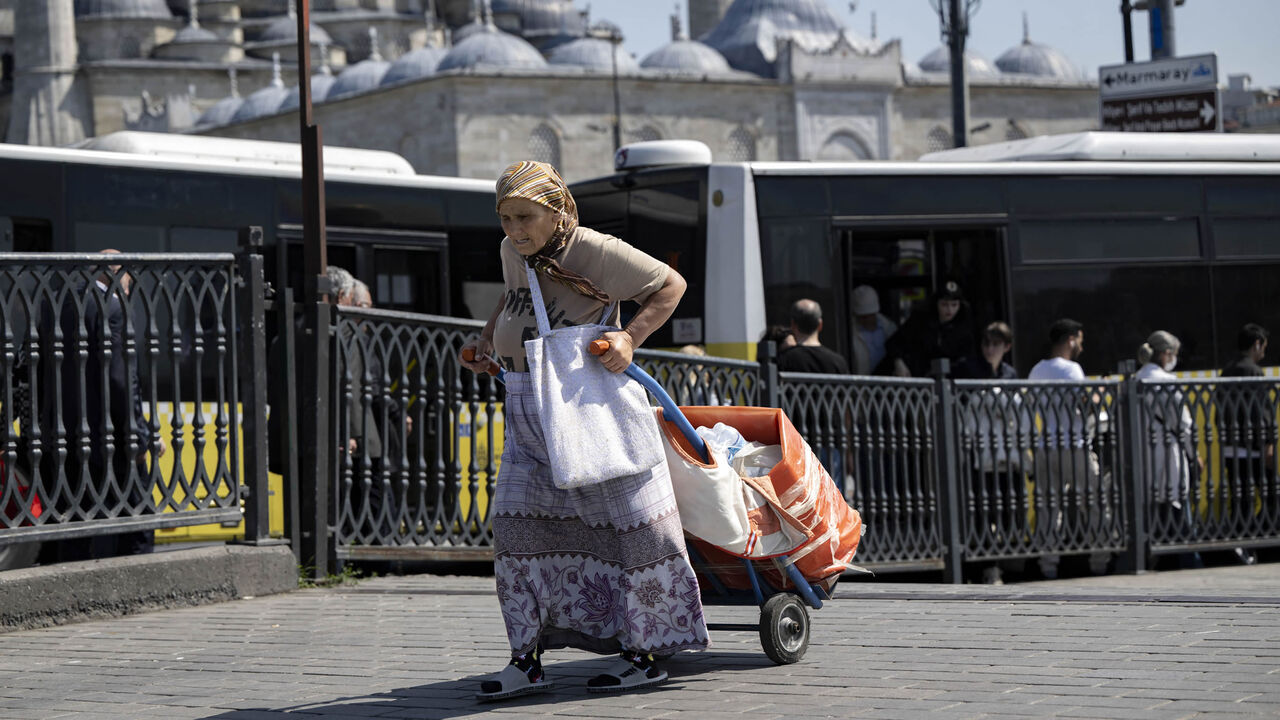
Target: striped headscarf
540 183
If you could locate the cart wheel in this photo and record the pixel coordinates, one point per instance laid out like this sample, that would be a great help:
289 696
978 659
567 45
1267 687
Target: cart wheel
784 628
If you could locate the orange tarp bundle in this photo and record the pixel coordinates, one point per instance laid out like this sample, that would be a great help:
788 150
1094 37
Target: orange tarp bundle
798 492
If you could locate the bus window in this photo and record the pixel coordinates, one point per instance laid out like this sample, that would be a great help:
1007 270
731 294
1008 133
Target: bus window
32 235
665 223
1108 240
409 279
92 237
799 261
1245 294
202 240
1119 306
1246 237
906 266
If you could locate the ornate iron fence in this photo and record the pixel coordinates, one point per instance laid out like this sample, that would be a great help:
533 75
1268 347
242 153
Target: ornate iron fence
1038 468
120 391
876 437
1206 463
416 438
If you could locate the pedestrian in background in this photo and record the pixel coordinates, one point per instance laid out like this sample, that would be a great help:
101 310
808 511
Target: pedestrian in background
1247 425
871 330
1170 449
941 329
808 354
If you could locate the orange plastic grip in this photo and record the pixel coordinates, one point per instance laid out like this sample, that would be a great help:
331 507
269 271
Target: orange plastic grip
598 347
469 354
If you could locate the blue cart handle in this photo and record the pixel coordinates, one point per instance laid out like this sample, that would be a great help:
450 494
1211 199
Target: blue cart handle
669 409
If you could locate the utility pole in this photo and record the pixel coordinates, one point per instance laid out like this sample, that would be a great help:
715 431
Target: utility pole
953 16
314 468
1126 11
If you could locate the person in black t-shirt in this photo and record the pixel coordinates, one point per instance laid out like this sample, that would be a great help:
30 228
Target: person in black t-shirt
1246 424
809 355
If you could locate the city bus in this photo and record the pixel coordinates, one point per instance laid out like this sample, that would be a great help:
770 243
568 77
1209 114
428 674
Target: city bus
1124 232
423 244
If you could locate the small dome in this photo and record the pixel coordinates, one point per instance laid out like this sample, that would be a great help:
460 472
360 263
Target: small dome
285 29
222 111
687 56
361 77
748 34
490 47
261 103
1032 59
321 84
594 54
194 34
939 61
415 64
123 9
538 18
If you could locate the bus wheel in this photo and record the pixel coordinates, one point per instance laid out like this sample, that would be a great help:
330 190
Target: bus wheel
18 555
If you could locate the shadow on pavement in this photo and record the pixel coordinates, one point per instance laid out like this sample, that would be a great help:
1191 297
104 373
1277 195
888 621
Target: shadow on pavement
455 698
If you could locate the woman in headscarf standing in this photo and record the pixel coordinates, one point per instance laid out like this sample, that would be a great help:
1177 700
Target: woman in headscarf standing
602 568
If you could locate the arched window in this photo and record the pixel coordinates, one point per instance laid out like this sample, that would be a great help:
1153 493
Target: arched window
742 145
939 139
646 134
843 146
544 145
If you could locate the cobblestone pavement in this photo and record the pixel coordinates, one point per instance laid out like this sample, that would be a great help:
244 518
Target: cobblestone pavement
1169 645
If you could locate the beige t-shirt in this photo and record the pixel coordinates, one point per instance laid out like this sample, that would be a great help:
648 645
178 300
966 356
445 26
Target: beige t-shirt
621 271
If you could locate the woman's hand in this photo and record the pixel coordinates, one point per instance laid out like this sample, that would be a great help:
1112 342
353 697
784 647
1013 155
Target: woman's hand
481 349
621 349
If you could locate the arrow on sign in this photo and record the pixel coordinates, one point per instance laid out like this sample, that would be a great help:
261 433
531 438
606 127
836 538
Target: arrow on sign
1207 113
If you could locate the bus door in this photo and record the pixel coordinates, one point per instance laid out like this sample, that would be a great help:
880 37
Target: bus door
904 264
405 270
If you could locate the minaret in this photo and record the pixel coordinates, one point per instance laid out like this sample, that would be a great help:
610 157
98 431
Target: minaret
705 14
50 104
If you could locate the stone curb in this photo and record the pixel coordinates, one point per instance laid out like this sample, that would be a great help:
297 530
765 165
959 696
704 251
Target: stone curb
95 589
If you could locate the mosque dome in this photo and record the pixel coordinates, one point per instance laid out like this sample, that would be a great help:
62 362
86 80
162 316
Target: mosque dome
594 54
687 56
361 77
490 47
538 18
1030 58
321 84
748 34
415 64
123 9
222 111
285 29
939 61
261 103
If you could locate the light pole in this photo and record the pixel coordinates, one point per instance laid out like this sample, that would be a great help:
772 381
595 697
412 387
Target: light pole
615 40
953 15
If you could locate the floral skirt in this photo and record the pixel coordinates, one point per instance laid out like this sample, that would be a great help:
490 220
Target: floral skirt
601 568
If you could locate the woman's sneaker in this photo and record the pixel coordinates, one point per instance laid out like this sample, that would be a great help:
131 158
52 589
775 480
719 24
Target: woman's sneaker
522 676
629 672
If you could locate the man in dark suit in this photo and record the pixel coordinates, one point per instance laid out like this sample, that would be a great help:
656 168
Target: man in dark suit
105 466
1246 418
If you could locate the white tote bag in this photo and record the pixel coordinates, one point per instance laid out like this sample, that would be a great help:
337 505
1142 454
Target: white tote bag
598 425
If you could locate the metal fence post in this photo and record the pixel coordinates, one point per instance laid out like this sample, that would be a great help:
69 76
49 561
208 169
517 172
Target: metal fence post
949 500
772 395
1134 560
315 440
252 336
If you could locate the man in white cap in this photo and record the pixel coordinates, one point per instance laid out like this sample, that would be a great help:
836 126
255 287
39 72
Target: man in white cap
871 330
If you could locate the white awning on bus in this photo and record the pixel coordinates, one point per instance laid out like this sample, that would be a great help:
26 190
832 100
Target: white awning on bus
250 153
1120 146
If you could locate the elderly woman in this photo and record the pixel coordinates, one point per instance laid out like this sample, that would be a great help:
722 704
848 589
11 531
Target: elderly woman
1170 434
601 568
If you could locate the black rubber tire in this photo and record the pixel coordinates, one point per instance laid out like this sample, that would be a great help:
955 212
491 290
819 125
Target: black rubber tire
784 628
